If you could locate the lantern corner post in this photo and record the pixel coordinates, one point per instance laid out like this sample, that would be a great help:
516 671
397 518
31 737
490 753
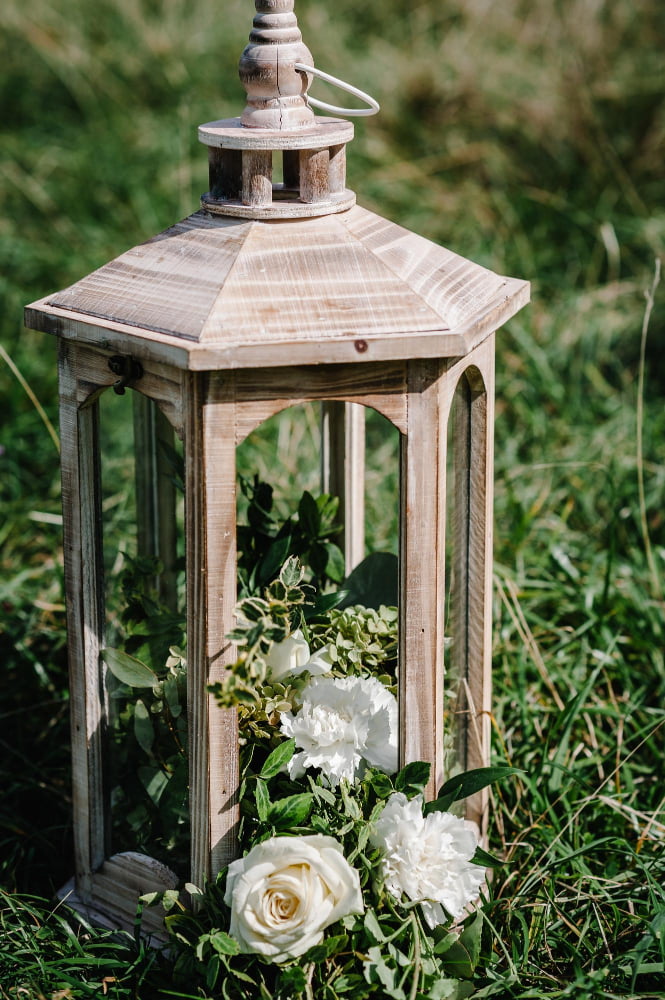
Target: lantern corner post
210 543
422 569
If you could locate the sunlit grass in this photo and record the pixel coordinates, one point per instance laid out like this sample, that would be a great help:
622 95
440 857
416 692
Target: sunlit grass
527 137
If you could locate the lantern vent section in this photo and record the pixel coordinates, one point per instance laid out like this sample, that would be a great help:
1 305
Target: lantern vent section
272 173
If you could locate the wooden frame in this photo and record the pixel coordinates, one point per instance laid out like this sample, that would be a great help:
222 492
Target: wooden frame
213 412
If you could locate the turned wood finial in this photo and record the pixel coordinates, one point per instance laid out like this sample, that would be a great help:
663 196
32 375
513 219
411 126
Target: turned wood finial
275 89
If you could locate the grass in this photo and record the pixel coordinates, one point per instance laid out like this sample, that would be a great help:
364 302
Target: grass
529 138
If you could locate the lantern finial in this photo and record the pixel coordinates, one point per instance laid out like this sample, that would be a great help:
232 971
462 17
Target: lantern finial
275 89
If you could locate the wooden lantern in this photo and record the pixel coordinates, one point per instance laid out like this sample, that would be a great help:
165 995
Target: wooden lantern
272 295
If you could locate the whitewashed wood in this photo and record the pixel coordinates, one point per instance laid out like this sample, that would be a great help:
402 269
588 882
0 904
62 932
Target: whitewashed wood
275 90
314 185
229 133
156 530
422 575
116 888
343 473
285 205
343 280
257 178
211 595
265 392
159 382
337 168
84 588
187 356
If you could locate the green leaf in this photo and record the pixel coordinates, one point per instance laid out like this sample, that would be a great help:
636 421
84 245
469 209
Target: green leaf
331 946
336 564
154 780
278 759
413 777
462 785
291 981
309 515
292 572
223 943
373 927
273 559
381 784
461 958
143 727
373 582
262 799
325 603
128 669
291 811
487 860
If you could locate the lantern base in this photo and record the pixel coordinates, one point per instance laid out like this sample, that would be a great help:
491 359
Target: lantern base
116 888
286 204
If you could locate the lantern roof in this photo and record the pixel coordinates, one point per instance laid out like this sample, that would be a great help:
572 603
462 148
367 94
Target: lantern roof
279 274
215 292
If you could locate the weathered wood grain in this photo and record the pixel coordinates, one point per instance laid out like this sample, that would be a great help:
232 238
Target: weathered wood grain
256 178
210 516
345 280
116 888
314 175
343 473
229 133
422 574
337 169
84 592
264 392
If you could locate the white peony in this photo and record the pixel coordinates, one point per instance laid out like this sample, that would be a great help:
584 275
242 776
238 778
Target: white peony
292 657
428 858
286 891
343 724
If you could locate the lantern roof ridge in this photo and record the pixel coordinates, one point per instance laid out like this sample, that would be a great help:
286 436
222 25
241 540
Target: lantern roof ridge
236 292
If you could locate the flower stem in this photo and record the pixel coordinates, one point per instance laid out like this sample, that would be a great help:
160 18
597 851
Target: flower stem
309 993
417 965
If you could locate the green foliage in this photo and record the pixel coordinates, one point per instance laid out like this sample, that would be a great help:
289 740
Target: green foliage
265 543
149 776
386 952
527 137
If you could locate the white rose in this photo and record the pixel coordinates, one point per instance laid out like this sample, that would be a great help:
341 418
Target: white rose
292 657
343 724
286 891
428 858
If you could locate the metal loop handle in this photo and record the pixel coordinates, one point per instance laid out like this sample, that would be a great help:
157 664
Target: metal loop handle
348 112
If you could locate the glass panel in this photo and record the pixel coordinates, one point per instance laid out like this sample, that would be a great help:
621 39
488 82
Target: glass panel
455 709
341 644
147 771
465 653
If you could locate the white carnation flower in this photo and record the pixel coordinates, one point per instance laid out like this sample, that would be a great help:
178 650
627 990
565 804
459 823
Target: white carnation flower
286 891
428 858
343 724
292 657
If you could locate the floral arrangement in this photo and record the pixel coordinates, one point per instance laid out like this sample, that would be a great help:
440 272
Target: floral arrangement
349 884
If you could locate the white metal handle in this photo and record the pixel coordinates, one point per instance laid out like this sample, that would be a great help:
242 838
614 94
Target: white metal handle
348 112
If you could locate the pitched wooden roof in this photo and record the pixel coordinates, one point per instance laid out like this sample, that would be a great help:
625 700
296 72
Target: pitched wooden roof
215 292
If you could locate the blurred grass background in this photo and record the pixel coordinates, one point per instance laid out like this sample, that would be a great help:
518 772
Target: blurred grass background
528 137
